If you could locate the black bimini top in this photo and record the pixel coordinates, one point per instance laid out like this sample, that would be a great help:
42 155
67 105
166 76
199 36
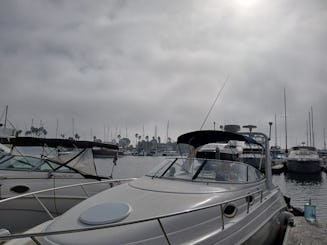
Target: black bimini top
203 137
54 142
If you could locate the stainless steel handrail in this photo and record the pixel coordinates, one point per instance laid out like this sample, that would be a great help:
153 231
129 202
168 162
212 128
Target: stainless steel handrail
34 194
66 187
98 227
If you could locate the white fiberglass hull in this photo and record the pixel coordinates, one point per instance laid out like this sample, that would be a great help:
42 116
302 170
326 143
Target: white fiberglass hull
257 222
19 213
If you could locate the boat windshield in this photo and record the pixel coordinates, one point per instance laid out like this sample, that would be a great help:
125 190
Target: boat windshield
206 170
303 152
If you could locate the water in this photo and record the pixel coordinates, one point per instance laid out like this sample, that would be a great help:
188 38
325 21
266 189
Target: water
300 188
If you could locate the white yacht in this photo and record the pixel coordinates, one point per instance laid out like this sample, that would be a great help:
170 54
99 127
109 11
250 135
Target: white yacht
48 165
303 159
183 200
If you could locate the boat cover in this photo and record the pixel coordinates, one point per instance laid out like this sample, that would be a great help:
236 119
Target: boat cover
203 137
54 142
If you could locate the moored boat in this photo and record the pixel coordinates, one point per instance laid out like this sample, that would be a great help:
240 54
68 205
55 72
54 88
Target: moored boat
303 159
54 163
183 200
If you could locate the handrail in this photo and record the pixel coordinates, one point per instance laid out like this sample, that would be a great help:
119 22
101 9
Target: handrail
66 187
33 194
98 227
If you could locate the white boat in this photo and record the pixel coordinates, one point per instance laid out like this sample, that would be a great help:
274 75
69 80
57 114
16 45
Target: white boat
303 159
26 173
227 151
184 200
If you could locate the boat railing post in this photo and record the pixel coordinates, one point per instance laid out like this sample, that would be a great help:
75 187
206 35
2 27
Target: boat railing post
85 192
43 206
261 196
222 217
163 230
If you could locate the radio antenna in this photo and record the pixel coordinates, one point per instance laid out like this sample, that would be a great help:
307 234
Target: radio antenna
213 104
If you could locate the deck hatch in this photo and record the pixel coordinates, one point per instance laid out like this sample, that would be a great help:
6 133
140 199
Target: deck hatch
105 213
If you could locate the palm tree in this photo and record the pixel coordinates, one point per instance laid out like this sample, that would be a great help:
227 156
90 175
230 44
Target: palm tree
77 137
18 132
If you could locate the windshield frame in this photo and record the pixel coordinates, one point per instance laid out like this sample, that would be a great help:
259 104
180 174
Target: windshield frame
235 172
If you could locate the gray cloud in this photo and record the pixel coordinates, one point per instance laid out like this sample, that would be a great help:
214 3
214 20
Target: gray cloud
127 64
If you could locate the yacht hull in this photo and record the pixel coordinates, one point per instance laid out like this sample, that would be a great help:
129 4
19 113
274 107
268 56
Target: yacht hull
303 166
258 223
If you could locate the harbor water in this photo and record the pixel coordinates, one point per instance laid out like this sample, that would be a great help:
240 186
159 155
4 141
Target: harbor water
300 188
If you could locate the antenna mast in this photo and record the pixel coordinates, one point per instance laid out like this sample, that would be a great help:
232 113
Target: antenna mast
213 104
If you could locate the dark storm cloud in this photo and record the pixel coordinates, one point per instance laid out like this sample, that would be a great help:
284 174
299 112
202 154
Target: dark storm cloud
134 63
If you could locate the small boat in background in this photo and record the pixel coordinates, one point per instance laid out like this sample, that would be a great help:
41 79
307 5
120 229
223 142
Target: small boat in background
303 159
104 152
227 151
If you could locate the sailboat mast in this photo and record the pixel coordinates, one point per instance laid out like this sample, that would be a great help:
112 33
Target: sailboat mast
313 135
275 131
167 136
6 114
324 139
310 129
167 131
285 121
307 133
57 127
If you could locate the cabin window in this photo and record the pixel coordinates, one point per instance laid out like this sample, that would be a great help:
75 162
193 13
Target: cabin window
20 163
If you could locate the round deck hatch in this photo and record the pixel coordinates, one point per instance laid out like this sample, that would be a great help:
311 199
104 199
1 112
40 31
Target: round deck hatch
105 213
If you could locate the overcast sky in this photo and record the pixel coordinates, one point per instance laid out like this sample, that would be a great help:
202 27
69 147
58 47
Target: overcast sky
108 66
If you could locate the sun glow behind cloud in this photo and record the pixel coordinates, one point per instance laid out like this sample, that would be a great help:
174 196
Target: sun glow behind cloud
246 3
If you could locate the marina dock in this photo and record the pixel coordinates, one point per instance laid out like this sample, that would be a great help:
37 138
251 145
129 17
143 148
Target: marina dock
306 233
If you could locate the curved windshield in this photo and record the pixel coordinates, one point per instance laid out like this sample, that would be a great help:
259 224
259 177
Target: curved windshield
303 152
206 170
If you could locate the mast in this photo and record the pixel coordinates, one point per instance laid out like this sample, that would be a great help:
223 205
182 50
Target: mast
214 102
167 132
275 131
285 121
324 139
6 114
309 128
167 136
57 126
73 127
307 132
313 135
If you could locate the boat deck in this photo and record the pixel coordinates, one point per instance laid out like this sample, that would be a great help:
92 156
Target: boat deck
306 233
